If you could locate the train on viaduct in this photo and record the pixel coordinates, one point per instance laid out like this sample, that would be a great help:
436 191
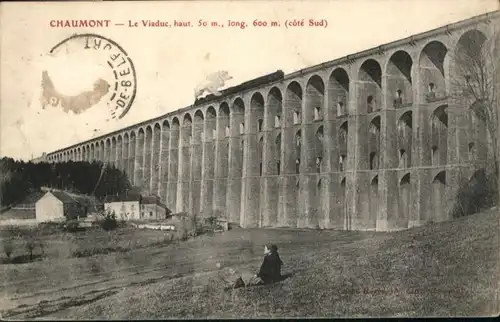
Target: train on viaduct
377 140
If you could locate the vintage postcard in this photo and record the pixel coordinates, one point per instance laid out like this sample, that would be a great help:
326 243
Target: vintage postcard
249 159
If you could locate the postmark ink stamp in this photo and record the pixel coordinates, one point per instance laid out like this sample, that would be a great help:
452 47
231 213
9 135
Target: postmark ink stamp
117 84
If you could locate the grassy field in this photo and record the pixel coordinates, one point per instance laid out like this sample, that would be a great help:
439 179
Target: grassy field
445 269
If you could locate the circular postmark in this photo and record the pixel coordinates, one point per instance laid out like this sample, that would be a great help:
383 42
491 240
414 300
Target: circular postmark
116 81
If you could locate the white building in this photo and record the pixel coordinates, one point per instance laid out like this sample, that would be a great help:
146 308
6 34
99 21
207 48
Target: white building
137 207
58 205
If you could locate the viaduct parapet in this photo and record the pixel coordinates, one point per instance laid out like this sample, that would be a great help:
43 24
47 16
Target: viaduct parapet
377 140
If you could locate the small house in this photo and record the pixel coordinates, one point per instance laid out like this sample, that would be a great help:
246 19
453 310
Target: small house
153 209
56 205
125 207
136 207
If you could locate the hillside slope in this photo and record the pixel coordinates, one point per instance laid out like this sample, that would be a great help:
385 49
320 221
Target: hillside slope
445 269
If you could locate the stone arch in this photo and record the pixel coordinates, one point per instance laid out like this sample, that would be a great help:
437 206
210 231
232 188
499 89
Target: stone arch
297 150
92 153
374 199
343 204
101 150
210 124
274 109
405 196
257 111
89 157
473 76
209 151
165 160
438 195
319 149
238 119
256 115
126 154
224 118
338 92
174 160
186 135
107 150
293 104
370 83
198 130
315 93
139 159
261 155
374 143
405 134
113 158
399 79
175 123
186 130
433 62
224 109
238 127
155 158
277 145
439 135
184 161
132 155
198 117
223 130
187 119
119 151
343 149
470 43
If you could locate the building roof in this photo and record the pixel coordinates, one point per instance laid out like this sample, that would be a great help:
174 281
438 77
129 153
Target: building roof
122 198
69 198
133 194
153 200
144 200
32 198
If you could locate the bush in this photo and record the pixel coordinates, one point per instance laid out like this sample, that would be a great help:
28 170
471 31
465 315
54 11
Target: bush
476 194
212 222
181 233
8 246
31 241
109 222
72 226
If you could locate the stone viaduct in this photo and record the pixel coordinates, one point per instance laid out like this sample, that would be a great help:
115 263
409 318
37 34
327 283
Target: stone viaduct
376 140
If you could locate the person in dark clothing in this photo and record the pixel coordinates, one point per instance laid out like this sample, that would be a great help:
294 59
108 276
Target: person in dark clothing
270 270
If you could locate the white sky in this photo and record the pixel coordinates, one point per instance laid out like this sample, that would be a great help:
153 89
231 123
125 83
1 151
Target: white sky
170 62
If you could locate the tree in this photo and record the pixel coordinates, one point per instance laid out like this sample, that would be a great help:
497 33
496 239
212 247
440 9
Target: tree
474 79
18 179
31 242
8 247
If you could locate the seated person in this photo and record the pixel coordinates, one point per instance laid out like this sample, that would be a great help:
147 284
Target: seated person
270 270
